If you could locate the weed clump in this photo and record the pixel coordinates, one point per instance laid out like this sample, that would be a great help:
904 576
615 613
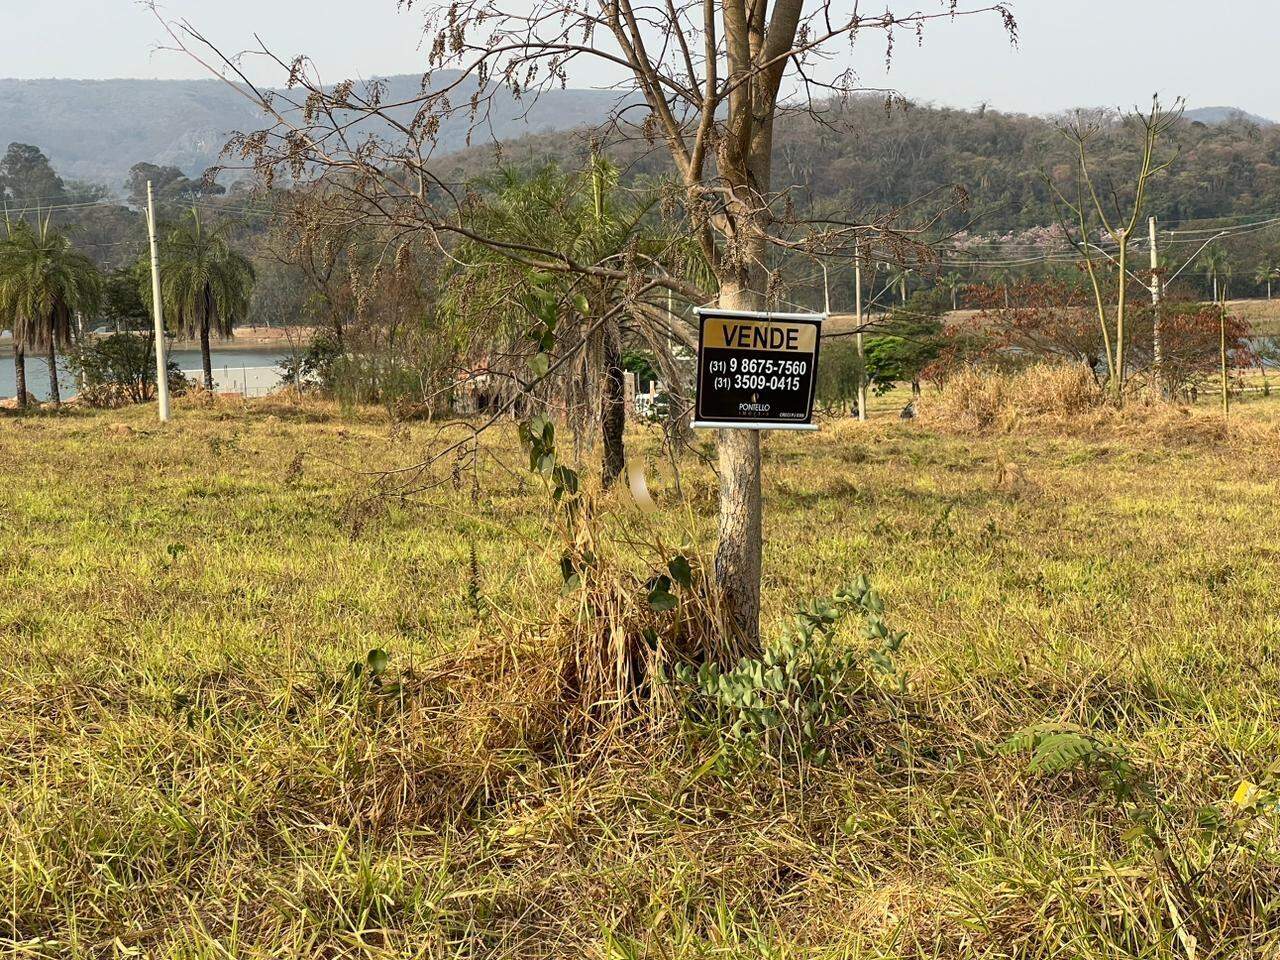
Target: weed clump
591 667
979 401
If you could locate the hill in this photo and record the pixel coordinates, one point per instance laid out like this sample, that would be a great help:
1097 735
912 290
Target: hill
861 158
95 130
1225 114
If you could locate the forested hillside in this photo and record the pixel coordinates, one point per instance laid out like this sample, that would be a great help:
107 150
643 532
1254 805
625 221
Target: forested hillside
862 158
857 160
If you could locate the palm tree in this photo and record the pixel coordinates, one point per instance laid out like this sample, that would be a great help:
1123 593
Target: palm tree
1216 267
1267 271
898 278
1006 276
44 283
587 218
205 283
952 283
19 349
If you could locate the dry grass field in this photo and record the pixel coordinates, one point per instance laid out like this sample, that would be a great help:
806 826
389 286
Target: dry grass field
190 767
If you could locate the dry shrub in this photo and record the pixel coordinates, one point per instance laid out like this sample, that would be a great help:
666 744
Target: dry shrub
1011 478
581 679
974 400
594 668
1061 399
589 662
105 396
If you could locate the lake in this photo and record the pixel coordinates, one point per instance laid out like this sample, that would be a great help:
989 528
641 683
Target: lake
251 371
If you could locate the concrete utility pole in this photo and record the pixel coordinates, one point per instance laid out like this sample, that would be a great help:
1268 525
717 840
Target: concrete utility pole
1155 262
1157 344
1222 359
162 367
857 319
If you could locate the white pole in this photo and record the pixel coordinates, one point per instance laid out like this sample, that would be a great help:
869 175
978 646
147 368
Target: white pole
162 368
1157 340
857 319
1155 262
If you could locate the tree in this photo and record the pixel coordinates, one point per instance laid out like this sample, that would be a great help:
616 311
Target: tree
124 304
168 184
1217 268
1201 342
953 283
898 278
1267 271
44 283
711 77
206 285
27 179
1007 278
586 216
1050 320
328 250
906 343
120 368
7 319
1117 217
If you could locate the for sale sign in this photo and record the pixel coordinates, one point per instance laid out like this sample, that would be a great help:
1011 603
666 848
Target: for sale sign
757 370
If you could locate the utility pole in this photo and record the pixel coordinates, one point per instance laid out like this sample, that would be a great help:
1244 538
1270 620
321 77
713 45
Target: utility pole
1157 344
857 319
162 367
1222 358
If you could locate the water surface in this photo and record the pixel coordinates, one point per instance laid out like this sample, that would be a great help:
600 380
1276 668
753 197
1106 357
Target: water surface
251 371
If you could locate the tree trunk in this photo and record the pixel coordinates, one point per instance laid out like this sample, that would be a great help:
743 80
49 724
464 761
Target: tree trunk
613 412
20 375
206 359
54 396
738 553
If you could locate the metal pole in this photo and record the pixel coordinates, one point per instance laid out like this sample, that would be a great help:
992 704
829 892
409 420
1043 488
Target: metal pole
162 367
857 319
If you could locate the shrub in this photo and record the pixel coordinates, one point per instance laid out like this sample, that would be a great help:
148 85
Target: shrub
120 369
1050 321
839 373
790 700
1191 335
401 378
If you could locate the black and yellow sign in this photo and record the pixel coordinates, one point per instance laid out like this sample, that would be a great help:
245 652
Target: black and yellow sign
757 370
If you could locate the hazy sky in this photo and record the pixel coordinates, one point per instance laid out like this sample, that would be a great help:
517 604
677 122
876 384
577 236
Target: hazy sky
1071 52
